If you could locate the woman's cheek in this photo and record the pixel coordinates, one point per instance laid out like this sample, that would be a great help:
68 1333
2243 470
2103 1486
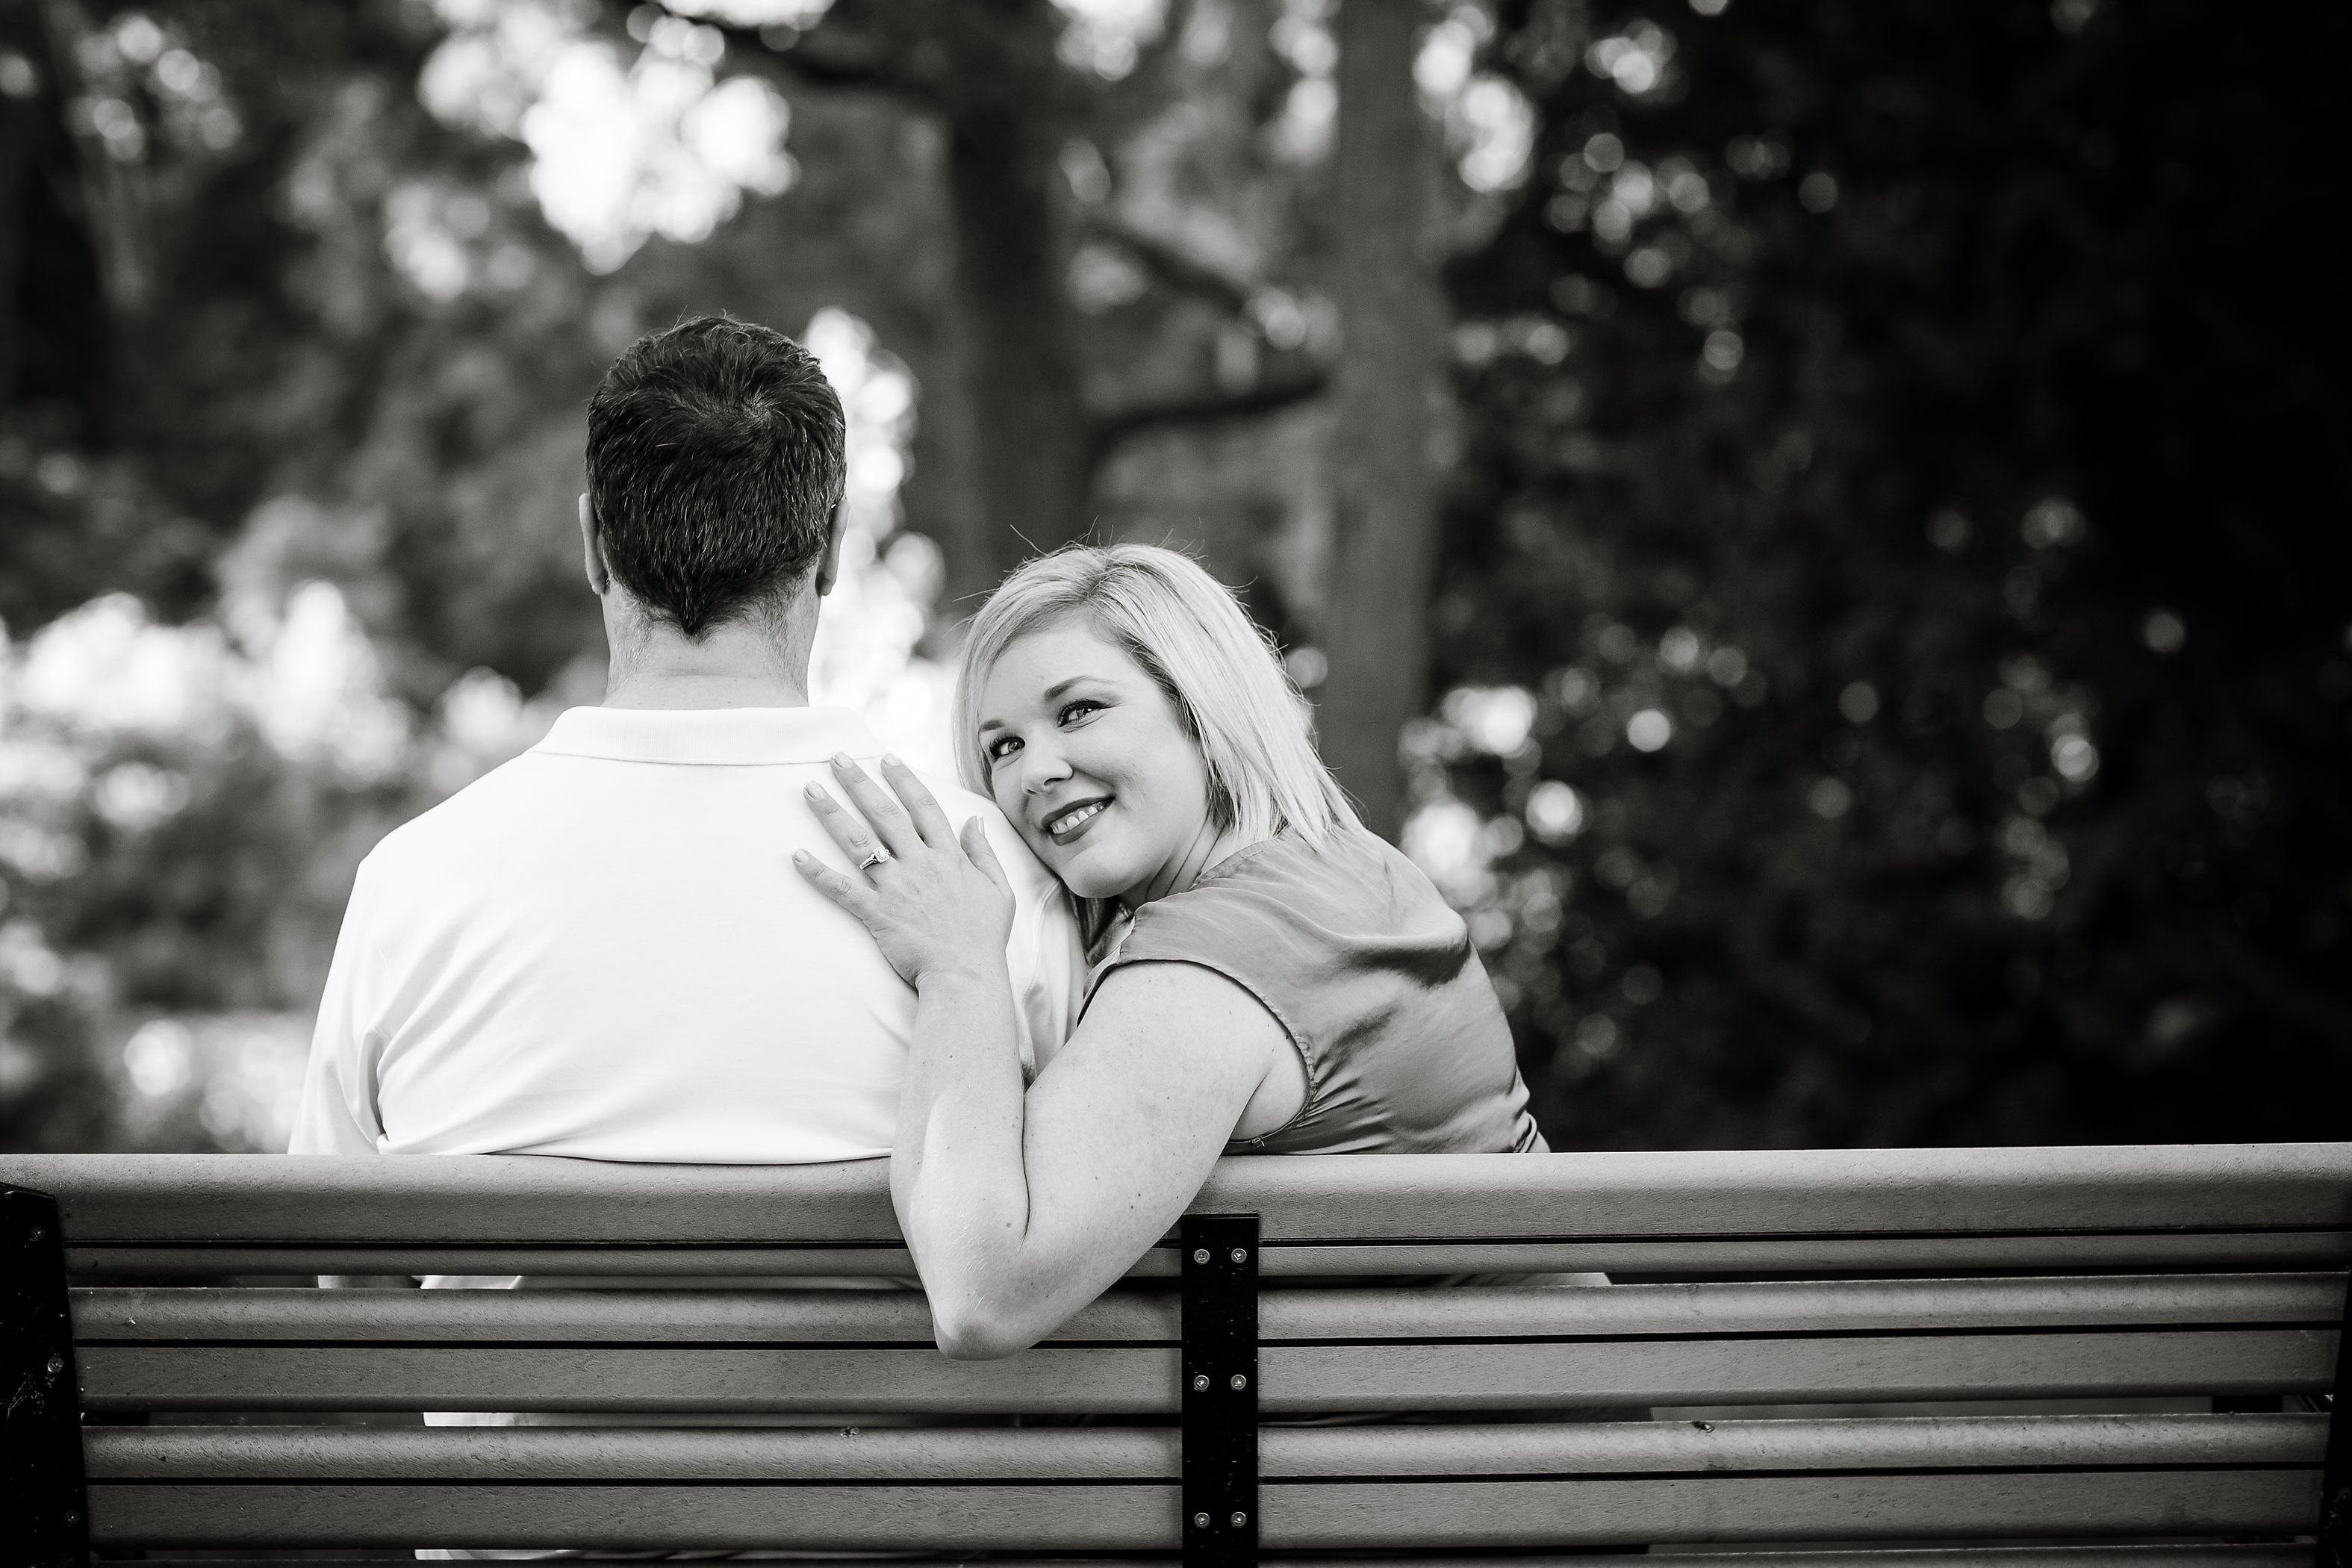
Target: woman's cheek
1007 799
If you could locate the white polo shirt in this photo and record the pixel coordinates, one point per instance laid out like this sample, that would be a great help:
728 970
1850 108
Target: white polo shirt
601 950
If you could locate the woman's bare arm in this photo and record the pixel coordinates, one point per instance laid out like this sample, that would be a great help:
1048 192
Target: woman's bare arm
1020 1209
1018 1206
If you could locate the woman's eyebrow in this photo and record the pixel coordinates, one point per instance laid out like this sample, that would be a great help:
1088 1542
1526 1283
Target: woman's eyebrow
1053 694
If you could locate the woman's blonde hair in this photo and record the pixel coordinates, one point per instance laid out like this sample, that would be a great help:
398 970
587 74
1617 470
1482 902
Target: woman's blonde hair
1185 630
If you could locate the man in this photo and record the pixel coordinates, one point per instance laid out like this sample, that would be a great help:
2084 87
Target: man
601 949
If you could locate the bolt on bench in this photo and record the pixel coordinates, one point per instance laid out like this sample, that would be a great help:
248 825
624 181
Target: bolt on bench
2204 1276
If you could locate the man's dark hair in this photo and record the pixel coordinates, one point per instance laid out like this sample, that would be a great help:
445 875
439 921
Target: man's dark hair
714 464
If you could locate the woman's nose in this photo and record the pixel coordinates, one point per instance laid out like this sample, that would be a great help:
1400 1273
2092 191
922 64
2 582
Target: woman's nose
1041 767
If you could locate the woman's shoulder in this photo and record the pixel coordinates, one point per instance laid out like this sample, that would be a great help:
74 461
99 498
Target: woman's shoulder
1350 862
1349 883
1351 947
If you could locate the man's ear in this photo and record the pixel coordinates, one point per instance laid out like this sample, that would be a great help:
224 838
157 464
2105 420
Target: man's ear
828 567
591 544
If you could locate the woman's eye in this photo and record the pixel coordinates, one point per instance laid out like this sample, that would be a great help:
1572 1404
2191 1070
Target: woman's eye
1079 710
1002 747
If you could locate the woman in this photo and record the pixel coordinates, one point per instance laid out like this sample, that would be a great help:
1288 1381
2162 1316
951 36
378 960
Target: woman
1269 977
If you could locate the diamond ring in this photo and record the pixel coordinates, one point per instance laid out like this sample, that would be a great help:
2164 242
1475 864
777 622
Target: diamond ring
879 856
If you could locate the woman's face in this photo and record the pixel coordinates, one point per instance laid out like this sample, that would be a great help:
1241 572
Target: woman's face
1089 758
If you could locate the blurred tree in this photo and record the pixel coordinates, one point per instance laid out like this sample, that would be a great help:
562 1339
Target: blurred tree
145 346
1027 103
987 72
179 824
1888 609
1390 413
1898 587
1099 236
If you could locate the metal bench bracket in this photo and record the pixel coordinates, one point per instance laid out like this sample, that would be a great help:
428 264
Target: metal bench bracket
41 1492
1220 1373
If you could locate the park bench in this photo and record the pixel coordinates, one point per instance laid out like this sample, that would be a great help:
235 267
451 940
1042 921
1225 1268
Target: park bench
1810 1327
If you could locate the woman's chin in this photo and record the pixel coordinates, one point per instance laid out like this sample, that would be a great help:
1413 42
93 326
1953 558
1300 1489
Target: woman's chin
1094 887
1088 876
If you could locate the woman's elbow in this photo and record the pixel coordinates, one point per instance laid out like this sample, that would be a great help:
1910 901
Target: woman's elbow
970 1330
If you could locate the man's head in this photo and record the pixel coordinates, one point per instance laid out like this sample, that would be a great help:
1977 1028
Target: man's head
714 473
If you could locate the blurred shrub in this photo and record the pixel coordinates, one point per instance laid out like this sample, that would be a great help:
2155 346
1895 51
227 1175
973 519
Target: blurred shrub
180 816
1895 596
183 807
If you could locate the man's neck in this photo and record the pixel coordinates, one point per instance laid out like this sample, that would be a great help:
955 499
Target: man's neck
733 665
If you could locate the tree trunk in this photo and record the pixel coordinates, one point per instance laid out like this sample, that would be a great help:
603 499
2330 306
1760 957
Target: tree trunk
1391 403
1018 454
1020 372
17 133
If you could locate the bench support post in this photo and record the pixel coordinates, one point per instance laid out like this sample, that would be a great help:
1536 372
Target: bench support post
1220 1392
42 1496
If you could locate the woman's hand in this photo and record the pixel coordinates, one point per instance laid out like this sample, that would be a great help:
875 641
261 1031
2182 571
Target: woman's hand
940 904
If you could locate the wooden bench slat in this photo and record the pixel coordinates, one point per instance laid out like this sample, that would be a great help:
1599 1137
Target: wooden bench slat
821 1517
1911 1442
1750 1307
1513 1375
1783 1193
2059 1253
817 1316
912 1379
166 1260
2216 1554
625 1316
1618 1510
1449 1514
520 1454
1296 1379
982 1455
2051 1254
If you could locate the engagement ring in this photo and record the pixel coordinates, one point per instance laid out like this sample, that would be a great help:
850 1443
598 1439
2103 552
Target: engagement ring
876 858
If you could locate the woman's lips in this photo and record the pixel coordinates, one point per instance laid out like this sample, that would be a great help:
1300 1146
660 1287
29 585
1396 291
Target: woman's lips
1072 822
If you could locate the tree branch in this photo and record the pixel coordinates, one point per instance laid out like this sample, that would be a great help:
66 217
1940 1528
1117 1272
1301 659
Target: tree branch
1168 263
866 69
1109 429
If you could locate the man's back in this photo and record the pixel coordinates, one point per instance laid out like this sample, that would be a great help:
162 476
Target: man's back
601 950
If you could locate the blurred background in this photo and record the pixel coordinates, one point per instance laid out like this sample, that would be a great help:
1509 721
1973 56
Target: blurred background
1822 525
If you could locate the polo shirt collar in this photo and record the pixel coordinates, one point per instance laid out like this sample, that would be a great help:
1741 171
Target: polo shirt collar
723 737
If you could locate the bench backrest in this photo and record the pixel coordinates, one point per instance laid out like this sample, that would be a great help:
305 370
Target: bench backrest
2158 1282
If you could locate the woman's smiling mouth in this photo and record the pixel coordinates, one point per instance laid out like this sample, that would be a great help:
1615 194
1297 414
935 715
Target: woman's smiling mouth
1065 825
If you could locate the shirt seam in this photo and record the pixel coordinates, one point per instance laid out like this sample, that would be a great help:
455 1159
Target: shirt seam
1235 862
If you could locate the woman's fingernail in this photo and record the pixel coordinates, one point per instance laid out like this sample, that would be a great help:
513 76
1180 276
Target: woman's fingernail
813 792
842 760
891 759
801 856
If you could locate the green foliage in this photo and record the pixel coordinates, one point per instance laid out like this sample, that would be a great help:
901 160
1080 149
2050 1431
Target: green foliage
1912 408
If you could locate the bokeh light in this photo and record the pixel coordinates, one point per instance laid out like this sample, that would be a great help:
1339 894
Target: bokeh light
621 151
